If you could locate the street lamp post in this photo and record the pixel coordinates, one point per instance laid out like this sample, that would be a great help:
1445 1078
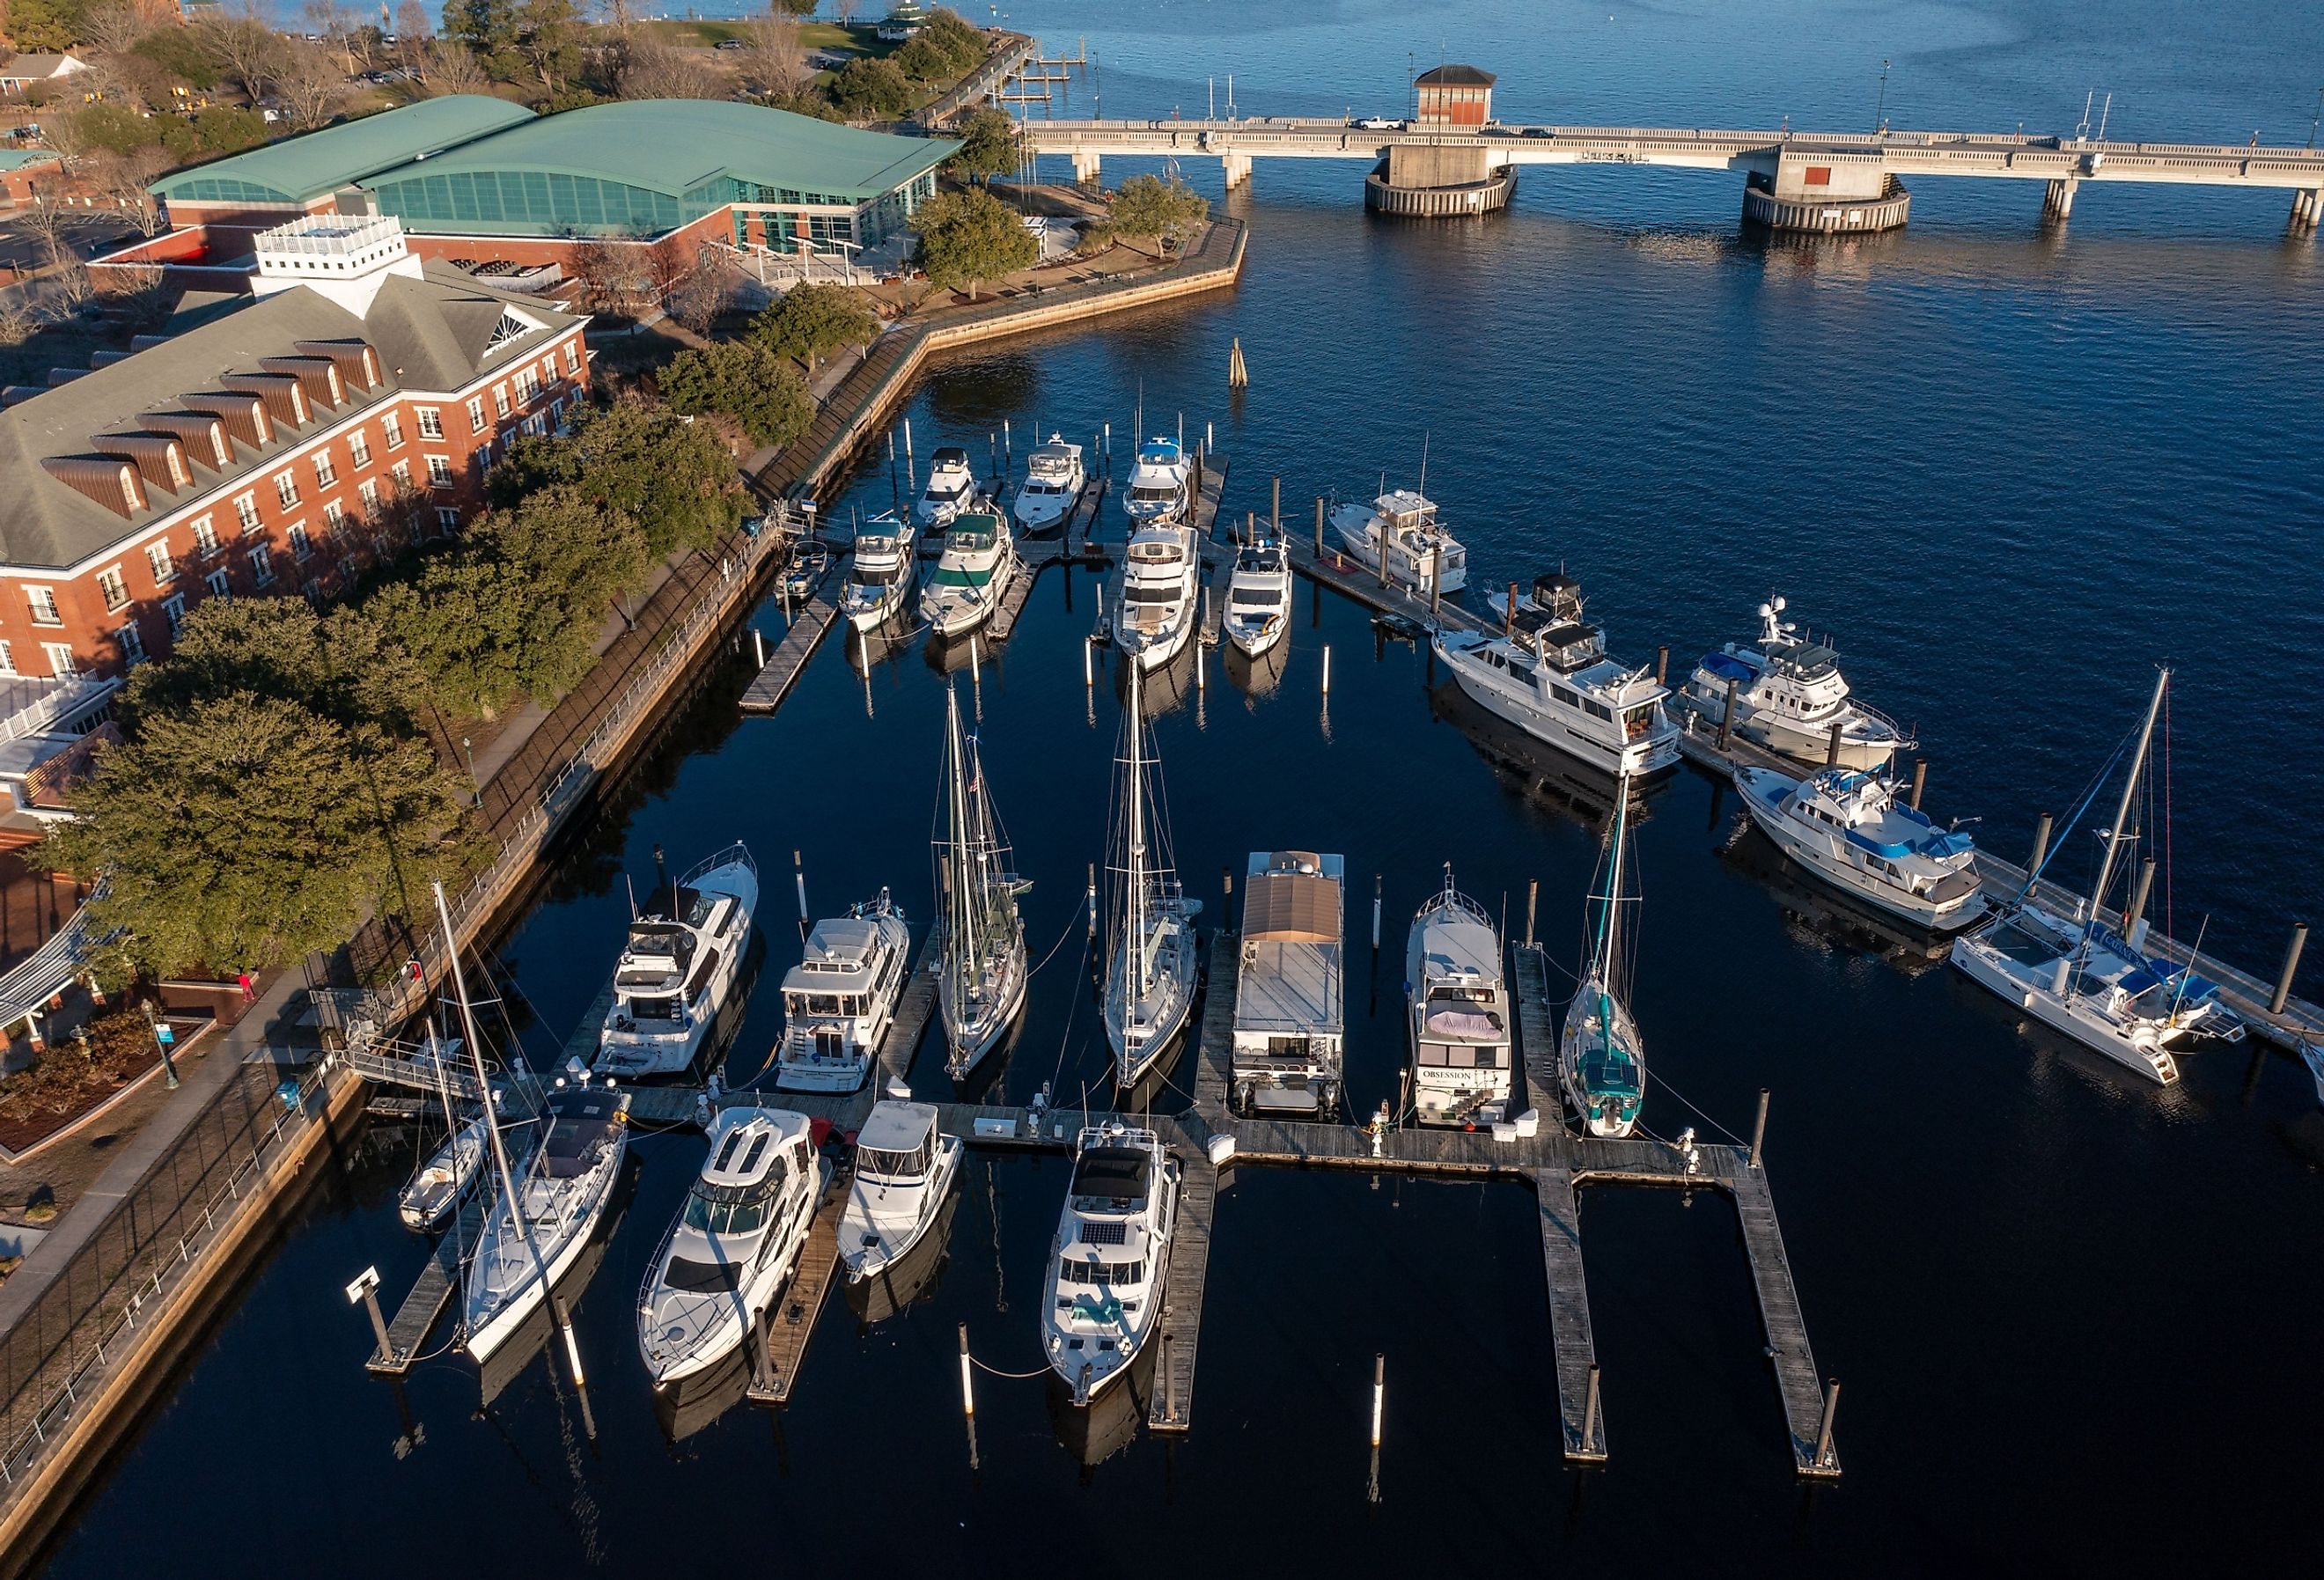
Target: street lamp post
163 1037
1880 114
476 790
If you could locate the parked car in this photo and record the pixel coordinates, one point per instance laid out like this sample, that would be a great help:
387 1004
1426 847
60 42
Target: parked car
1539 131
1376 123
728 44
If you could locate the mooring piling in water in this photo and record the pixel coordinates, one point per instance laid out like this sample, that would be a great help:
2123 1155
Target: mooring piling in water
1327 669
1823 1459
1533 899
1759 1128
1509 613
1380 1393
1590 1409
1727 715
1319 524
967 1396
1919 783
1092 899
1662 664
1274 508
1089 664
1831 746
759 646
798 875
2292 952
1376 912
2041 844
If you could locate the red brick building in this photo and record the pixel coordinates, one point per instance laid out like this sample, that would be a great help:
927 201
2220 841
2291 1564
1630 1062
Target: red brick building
267 445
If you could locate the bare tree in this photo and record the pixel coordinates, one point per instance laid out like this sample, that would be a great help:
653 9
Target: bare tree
666 267
452 68
774 62
137 293
331 22
115 26
310 84
846 11
704 293
413 33
250 50
607 274
127 178
18 322
45 222
655 70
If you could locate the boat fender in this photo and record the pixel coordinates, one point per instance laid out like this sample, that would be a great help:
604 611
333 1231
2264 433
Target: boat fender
1221 1148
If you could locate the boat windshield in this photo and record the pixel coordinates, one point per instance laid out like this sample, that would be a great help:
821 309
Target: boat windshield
1154 493
732 1209
1259 598
1137 593
908 1166
1070 1272
960 575
878 577
690 1277
1460 1056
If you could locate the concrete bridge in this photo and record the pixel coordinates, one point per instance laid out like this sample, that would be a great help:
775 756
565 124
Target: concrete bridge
1795 180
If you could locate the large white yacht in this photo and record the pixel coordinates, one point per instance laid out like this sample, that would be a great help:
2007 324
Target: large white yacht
1150 945
1054 479
881 572
1288 1021
1111 1256
546 1213
980 556
1401 523
1850 828
838 1001
2079 976
1789 693
982 984
685 951
1155 613
904 1170
735 1244
1258 597
951 490
1600 1061
1159 482
1550 676
1459 1012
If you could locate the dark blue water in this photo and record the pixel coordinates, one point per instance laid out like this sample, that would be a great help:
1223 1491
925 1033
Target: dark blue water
2010 470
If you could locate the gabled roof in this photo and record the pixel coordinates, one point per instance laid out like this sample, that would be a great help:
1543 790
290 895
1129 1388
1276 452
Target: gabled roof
299 170
1456 76
41 66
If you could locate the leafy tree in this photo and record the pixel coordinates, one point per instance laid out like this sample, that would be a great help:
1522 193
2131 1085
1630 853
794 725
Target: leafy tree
988 146
672 478
967 238
811 319
865 88
569 546
960 46
488 30
807 104
185 53
277 647
226 129
1156 209
247 830
743 379
796 7
44 24
100 128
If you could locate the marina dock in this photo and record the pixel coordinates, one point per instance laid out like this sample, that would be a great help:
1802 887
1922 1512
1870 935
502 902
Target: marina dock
784 1332
432 1292
810 623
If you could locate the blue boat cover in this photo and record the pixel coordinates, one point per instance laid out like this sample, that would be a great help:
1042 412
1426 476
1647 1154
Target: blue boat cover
1727 667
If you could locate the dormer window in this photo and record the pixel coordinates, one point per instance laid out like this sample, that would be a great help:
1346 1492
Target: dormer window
510 328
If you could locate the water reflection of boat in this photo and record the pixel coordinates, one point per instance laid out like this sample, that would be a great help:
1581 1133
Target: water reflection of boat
910 1277
1167 689
1827 914
1255 677
1095 1433
692 1403
1537 772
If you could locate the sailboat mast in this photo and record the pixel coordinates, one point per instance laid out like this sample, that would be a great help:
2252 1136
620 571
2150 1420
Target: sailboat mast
476 1058
2129 788
1136 910
962 942
1602 957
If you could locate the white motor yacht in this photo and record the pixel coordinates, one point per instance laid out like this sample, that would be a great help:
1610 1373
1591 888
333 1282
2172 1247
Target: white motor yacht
1258 597
1155 613
1111 1256
982 984
904 1170
1789 695
838 1001
1054 479
1459 1012
1160 483
1850 828
685 951
428 1203
1547 673
546 1213
1289 1023
951 490
882 573
1600 1061
2079 976
980 556
1401 523
2311 1054
735 1244
1150 945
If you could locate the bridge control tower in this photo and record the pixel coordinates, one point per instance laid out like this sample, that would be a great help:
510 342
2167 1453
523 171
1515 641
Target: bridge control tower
1456 176
1825 187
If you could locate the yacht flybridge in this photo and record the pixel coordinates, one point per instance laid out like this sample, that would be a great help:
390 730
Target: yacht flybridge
1159 482
685 950
882 571
1549 676
1054 479
1600 1061
545 1212
1789 694
1288 1021
951 490
1459 1012
1150 947
1110 1257
1402 524
2079 976
1849 828
982 984
735 1242
1258 597
980 556
838 1001
1160 566
904 1170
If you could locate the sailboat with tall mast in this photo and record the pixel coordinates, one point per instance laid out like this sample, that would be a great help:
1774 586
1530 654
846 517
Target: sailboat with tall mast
1151 957
1600 1061
982 987
2087 979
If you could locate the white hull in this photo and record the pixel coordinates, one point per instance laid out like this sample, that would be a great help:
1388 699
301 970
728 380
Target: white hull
1484 686
971 1040
428 1202
1357 543
644 1049
1158 654
490 1330
755 1293
1803 846
1108 1315
897 1236
2137 1049
2312 1053
1140 1039
803 1072
1258 643
865 615
1778 734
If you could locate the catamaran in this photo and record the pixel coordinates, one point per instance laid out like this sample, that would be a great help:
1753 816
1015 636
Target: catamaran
1547 673
1053 485
2082 977
904 1170
1850 828
1156 612
1458 1012
1790 695
951 490
684 952
1159 487
980 556
1258 597
733 1243
839 1000
1402 524
1112 1252
881 572
1600 1061
1150 952
982 984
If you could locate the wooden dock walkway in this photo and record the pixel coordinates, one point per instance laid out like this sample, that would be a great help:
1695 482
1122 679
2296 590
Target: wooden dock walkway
1330 569
1584 1421
809 624
1545 1093
438 1282
1172 1406
1779 1312
787 1327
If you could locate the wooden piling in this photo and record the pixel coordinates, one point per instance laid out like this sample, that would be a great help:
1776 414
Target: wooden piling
2291 968
1920 779
1274 510
1823 1459
1509 613
1319 525
1533 897
1727 715
1759 1128
1662 665
2041 845
1831 746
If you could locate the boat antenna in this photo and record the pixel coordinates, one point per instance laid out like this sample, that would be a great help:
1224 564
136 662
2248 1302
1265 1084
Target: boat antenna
1424 463
632 885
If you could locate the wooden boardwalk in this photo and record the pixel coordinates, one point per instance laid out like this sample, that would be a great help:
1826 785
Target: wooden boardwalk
1335 571
1779 1312
809 624
791 1324
1537 1033
1172 1406
439 1282
1584 1434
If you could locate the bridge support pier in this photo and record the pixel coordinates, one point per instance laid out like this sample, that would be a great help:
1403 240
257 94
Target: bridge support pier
2058 202
1237 167
1085 169
2307 209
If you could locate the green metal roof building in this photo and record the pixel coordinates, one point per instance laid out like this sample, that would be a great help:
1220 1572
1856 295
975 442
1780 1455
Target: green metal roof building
301 172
